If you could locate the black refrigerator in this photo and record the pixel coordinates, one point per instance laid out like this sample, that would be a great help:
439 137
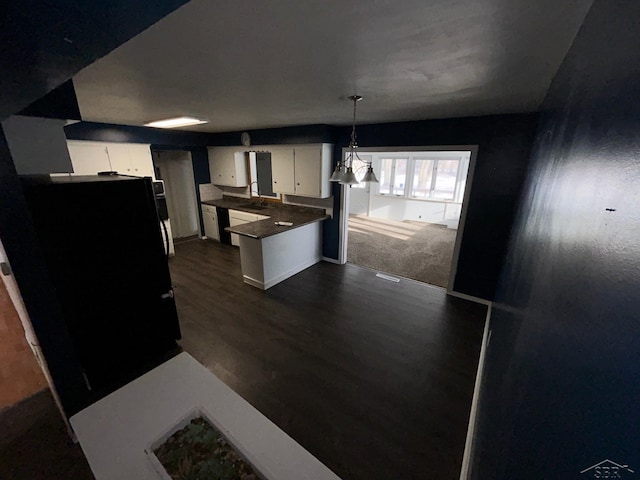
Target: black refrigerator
103 250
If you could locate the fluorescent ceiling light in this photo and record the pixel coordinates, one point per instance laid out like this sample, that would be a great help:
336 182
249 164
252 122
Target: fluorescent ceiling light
175 122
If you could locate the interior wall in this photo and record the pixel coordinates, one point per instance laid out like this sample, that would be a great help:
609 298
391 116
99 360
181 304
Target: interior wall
504 143
20 374
23 249
400 209
560 390
44 45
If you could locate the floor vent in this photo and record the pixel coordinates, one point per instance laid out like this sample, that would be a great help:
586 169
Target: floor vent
387 277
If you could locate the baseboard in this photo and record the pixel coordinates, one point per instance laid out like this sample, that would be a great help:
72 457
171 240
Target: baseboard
471 298
280 278
253 282
331 260
473 415
290 273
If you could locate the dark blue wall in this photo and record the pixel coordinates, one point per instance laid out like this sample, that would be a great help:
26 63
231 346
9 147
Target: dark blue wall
561 388
106 132
504 143
43 44
60 103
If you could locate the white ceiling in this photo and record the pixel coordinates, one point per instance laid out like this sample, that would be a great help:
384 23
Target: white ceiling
258 64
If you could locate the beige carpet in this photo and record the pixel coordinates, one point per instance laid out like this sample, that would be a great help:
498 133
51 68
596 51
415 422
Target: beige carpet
421 251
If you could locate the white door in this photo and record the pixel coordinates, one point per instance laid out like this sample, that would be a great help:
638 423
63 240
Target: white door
119 158
283 170
176 170
88 159
307 171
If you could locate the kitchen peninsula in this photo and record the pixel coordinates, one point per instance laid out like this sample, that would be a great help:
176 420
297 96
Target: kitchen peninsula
269 251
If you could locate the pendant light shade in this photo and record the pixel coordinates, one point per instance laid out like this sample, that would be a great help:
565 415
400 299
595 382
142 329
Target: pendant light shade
337 174
348 177
370 176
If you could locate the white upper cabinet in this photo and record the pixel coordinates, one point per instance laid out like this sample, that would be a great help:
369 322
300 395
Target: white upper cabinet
89 158
119 159
283 170
302 170
228 166
141 160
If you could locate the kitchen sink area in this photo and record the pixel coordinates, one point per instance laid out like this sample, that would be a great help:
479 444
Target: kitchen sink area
276 240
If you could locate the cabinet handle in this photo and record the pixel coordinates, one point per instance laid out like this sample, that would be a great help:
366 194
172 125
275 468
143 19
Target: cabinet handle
297 184
275 181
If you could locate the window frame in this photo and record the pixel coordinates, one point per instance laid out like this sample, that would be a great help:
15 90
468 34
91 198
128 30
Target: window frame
412 159
392 179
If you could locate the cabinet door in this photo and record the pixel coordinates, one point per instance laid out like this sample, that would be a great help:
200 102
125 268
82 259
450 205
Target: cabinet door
119 158
210 223
239 173
88 159
141 161
215 165
221 165
307 170
283 170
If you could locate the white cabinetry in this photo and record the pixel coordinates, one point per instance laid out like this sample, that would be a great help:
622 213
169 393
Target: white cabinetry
89 158
236 217
283 170
302 170
228 166
210 218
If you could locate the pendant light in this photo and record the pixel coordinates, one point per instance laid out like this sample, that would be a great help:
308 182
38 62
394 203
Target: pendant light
344 170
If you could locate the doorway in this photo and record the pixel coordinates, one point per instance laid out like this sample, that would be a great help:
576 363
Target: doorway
175 169
410 223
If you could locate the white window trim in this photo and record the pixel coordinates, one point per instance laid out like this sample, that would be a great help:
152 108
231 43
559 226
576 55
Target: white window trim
411 158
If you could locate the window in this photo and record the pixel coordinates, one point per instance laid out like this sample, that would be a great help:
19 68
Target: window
422 178
434 179
446 173
438 176
393 176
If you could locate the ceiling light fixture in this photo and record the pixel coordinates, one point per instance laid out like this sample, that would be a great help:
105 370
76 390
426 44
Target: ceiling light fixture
175 122
343 172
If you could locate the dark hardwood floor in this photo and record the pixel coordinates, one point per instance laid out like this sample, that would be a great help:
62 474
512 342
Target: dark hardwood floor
374 378
35 445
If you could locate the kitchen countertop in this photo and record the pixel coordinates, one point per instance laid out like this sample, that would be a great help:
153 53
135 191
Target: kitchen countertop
299 216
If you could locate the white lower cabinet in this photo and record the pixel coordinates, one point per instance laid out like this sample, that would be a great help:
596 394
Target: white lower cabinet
210 218
236 217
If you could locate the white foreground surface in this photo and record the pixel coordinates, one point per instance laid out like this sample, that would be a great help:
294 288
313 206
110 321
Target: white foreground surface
115 431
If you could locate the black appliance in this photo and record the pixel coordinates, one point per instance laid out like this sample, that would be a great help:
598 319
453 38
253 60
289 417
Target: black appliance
161 199
223 222
104 253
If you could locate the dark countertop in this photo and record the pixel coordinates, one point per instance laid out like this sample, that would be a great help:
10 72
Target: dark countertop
299 216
